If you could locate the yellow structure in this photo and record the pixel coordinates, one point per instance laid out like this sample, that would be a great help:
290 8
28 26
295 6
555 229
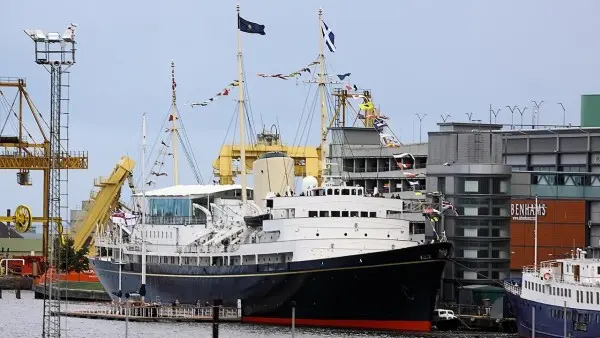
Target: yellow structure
307 160
19 152
102 204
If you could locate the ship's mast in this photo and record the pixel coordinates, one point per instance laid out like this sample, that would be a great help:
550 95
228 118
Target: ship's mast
174 131
322 94
535 235
241 110
143 207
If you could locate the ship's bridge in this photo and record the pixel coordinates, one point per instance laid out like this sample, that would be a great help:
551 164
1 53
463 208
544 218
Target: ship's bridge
186 204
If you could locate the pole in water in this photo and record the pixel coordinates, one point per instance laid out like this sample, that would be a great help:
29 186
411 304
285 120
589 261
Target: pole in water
216 308
18 293
126 322
293 319
0 293
565 320
533 322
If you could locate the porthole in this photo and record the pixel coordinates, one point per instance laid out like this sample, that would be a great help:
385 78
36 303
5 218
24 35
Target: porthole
317 234
388 235
365 234
345 234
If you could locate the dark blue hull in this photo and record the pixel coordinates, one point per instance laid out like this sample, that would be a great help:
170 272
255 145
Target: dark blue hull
549 320
393 289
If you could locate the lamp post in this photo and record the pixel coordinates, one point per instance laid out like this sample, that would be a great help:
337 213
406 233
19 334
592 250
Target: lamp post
512 115
495 113
521 112
564 113
420 117
470 116
536 113
445 117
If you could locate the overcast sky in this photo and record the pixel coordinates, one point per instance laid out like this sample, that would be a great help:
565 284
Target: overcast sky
416 56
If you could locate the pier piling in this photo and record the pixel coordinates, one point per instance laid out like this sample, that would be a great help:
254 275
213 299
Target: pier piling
0 293
215 316
18 293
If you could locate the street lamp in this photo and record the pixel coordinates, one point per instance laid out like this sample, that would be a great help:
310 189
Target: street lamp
512 114
564 112
421 117
470 116
521 112
495 113
445 117
536 113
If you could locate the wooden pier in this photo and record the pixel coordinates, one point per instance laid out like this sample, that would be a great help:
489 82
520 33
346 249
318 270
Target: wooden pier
153 313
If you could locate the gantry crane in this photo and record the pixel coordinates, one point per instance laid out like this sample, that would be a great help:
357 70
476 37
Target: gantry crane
20 152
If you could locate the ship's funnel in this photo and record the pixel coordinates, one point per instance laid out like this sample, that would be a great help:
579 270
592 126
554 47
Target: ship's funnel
273 172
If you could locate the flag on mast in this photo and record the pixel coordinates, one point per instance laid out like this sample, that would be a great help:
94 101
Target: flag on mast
250 27
329 37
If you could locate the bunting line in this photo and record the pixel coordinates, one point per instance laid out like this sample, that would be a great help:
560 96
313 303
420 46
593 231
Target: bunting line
223 92
290 75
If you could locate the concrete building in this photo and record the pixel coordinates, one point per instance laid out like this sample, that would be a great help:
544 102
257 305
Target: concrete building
465 166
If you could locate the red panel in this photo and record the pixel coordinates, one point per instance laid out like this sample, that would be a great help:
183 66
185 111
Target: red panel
399 325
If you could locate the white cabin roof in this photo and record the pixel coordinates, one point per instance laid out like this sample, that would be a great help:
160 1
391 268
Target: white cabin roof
191 190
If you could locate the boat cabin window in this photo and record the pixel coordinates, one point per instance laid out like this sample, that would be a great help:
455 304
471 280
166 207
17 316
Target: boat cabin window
329 191
372 214
364 214
345 192
335 214
353 192
336 191
353 213
344 213
323 213
312 214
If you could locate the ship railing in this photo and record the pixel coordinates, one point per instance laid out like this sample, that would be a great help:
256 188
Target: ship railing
155 310
512 288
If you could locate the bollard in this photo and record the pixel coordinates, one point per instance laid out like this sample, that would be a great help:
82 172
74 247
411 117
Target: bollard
0 293
293 319
18 293
216 308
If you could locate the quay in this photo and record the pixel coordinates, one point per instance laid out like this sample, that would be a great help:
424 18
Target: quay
154 313
74 293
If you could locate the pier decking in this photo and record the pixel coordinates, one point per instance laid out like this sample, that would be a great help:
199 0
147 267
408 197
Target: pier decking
153 313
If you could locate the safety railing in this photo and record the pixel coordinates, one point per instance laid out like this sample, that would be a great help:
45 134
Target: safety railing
157 311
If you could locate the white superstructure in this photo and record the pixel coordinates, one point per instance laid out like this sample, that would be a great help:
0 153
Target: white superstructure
324 222
575 280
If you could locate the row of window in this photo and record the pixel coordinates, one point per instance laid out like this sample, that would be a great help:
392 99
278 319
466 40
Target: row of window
481 232
471 253
555 291
158 234
589 297
345 213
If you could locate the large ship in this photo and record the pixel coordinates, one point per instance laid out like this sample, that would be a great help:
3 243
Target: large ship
344 257
558 298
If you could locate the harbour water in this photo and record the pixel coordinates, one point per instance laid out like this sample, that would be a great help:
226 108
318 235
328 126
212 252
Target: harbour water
23 318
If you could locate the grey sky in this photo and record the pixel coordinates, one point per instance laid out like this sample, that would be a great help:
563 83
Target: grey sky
416 56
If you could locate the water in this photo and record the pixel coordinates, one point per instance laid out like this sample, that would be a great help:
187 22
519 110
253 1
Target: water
23 318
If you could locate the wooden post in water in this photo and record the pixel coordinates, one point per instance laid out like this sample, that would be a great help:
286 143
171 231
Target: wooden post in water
0 293
18 293
293 319
565 320
216 308
533 322
126 319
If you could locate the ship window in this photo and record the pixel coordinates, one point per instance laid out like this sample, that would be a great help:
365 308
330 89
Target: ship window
323 213
353 191
335 214
364 214
598 270
577 293
597 297
329 192
345 192
353 213
312 213
344 213
372 214
569 291
336 191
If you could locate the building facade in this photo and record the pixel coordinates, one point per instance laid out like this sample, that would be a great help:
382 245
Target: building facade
465 166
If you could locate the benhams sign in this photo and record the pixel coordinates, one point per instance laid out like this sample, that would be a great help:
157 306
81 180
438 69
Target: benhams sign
526 211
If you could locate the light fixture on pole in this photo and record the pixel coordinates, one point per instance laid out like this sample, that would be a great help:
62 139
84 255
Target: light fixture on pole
445 117
564 113
512 115
521 112
421 117
56 53
470 116
495 113
536 113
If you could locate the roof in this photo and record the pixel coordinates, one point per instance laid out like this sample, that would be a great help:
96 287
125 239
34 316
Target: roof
191 190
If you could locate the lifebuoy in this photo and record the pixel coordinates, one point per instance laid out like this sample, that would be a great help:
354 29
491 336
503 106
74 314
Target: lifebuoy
547 276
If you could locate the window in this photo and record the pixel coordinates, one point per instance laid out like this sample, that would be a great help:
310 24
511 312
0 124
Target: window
344 213
323 213
364 214
312 213
373 214
470 211
335 214
345 192
353 213
353 191
329 192
471 186
336 191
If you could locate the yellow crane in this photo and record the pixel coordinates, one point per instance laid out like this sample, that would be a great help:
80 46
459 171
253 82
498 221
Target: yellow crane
20 152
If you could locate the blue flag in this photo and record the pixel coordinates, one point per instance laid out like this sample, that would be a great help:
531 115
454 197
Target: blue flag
329 37
250 27
343 76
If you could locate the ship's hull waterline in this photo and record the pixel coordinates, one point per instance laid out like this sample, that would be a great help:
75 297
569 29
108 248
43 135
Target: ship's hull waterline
388 290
